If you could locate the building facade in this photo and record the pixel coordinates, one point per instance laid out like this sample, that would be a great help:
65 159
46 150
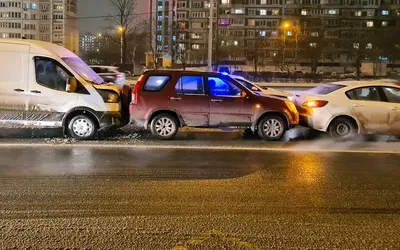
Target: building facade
162 22
89 43
46 20
263 31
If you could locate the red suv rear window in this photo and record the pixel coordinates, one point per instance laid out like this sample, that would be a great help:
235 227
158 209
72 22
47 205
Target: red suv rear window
156 83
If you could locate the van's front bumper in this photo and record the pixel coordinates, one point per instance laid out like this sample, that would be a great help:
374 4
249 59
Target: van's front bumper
109 119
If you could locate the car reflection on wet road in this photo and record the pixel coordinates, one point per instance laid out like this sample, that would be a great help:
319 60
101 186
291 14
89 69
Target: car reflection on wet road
199 195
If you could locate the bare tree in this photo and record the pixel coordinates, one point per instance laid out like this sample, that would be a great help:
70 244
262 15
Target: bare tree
123 21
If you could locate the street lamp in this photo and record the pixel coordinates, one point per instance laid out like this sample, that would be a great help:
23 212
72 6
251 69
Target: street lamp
285 27
210 36
122 30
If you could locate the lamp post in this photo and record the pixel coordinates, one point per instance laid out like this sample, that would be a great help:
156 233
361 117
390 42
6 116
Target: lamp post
285 27
122 30
210 36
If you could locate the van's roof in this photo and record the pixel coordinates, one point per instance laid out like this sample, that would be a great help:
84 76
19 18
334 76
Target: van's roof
40 47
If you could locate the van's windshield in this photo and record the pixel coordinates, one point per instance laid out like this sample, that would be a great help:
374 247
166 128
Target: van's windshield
83 69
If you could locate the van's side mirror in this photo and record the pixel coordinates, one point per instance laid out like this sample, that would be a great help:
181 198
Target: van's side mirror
243 94
71 85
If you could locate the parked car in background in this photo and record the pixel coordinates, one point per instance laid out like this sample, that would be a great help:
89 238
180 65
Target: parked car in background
110 74
268 91
44 85
164 101
347 108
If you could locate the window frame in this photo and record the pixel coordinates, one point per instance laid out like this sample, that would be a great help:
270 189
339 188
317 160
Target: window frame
381 94
183 94
231 81
384 93
57 64
162 87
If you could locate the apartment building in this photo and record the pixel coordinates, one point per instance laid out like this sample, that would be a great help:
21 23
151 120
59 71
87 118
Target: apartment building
89 43
46 20
257 28
162 19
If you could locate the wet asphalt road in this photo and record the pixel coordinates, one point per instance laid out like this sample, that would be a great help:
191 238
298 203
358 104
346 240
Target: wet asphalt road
196 193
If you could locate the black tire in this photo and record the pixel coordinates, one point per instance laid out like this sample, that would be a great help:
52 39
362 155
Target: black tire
82 127
271 128
164 127
343 128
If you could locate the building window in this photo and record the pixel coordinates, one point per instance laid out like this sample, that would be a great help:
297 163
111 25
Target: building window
313 45
195 46
384 23
356 45
333 12
370 24
385 12
369 46
239 11
263 12
304 12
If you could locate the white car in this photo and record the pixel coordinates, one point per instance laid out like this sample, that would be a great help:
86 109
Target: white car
268 91
110 74
352 107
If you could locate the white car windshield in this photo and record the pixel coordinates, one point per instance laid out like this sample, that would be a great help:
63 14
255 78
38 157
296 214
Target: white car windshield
83 70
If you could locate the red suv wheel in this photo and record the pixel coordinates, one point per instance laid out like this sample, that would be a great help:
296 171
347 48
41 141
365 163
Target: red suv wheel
164 126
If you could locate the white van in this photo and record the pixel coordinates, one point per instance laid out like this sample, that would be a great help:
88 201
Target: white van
45 85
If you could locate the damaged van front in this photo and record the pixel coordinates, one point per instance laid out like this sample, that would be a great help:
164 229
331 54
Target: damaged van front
44 85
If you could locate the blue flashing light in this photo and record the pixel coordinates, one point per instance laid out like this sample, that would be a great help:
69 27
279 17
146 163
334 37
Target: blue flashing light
225 73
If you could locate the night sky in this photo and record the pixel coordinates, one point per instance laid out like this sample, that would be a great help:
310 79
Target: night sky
90 8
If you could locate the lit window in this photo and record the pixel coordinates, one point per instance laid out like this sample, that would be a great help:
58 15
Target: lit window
289 33
195 46
385 12
263 12
274 33
384 23
314 34
358 13
369 46
159 8
356 45
370 24
262 33
275 12
314 45
236 43
333 12
239 11
304 12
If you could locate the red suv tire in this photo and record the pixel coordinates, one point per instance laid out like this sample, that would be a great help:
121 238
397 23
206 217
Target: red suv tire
164 126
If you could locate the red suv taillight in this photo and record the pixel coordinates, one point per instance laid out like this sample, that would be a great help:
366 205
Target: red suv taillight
136 90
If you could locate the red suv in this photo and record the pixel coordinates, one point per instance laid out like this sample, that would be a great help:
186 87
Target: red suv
164 101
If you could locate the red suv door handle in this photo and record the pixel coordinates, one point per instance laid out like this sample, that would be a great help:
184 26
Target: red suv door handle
216 100
175 99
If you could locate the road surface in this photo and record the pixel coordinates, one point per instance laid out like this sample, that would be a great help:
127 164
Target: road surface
199 194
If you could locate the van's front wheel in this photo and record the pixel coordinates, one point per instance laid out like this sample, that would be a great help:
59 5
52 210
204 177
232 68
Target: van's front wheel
82 127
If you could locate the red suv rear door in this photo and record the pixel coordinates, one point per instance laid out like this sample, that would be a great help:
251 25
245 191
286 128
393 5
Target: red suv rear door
227 106
191 101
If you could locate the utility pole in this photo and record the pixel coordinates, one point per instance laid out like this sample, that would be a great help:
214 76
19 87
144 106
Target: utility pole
210 36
